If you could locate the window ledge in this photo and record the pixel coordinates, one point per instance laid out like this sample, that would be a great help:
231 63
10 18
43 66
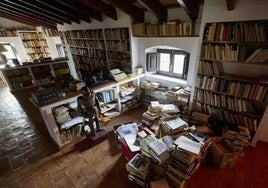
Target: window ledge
166 78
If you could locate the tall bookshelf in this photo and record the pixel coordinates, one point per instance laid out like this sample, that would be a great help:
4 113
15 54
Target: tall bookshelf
35 44
94 49
232 99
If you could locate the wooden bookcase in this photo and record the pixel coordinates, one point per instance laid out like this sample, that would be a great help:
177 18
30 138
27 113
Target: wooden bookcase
26 76
35 44
94 49
232 99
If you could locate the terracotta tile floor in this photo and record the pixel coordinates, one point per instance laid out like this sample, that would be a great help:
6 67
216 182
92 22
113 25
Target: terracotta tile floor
28 157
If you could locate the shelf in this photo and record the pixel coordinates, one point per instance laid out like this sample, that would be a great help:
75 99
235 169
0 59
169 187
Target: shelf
223 94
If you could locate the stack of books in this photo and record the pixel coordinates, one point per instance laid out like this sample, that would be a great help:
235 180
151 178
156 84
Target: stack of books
138 168
76 85
159 151
174 125
187 156
61 114
237 140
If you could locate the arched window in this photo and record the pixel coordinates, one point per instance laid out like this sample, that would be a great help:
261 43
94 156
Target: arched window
168 62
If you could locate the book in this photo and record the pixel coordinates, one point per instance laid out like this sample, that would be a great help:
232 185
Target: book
187 144
175 123
255 52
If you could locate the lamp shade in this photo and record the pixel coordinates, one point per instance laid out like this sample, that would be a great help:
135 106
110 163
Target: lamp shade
2 48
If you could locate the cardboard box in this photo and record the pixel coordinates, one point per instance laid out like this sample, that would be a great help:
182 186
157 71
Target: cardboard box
222 156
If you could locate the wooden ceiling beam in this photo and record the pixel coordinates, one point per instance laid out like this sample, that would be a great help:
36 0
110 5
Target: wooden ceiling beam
230 4
126 6
106 9
27 12
191 7
82 9
159 10
51 11
6 10
10 17
21 17
61 8
24 6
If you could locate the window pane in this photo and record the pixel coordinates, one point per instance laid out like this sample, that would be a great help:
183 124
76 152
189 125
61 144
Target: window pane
164 62
178 64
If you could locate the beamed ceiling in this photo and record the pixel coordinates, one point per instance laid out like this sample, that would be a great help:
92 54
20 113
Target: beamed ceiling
49 13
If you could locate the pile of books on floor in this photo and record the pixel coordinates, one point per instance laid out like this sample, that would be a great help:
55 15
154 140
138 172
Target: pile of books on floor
237 140
190 150
151 118
138 168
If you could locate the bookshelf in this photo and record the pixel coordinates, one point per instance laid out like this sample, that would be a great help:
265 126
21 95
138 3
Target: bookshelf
35 44
26 76
170 29
232 99
75 135
118 48
94 49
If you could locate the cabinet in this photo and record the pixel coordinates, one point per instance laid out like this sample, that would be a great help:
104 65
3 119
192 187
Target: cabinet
25 76
232 99
70 99
35 44
98 48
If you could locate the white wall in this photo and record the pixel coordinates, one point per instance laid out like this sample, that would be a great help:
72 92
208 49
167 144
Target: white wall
17 44
216 11
10 24
189 44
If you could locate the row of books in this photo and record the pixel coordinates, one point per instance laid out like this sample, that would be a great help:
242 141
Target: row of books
118 45
34 43
208 68
244 31
92 62
231 118
258 55
224 52
96 33
50 32
240 89
30 36
117 34
223 101
98 44
107 95
8 33
171 28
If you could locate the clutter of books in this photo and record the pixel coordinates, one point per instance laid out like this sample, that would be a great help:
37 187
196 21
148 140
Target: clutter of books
237 140
175 157
156 111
